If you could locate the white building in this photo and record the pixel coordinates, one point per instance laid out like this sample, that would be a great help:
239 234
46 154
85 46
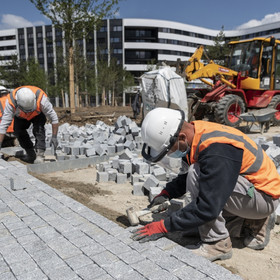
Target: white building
134 42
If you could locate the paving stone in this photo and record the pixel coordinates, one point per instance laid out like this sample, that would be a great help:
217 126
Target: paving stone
142 168
125 167
64 248
121 178
159 173
23 267
33 275
62 273
152 181
138 189
119 270
90 272
102 177
79 261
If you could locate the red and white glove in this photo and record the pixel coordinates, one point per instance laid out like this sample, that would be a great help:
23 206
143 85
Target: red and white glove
160 198
149 232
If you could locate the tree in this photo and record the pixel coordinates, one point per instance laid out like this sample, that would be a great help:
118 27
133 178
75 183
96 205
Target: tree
75 18
24 72
220 50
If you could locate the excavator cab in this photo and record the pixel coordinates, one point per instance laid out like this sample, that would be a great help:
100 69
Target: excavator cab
253 59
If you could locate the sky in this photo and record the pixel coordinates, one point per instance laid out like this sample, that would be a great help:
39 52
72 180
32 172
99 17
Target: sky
204 13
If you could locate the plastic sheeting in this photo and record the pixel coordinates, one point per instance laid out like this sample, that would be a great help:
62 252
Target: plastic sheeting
163 88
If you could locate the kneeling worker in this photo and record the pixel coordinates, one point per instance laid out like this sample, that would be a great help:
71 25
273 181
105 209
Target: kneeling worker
29 104
229 176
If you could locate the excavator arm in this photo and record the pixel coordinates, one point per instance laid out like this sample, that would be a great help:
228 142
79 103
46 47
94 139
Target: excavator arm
196 69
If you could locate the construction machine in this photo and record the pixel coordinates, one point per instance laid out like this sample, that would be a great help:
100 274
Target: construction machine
251 80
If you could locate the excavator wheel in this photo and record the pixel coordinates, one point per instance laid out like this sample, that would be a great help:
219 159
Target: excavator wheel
228 110
275 104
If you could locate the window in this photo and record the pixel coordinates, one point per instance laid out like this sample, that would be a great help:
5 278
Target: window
103 29
115 40
117 51
39 35
30 35
117 28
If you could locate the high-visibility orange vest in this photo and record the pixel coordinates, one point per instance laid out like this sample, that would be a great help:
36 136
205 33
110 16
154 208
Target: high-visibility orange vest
39 93
2 107
256 166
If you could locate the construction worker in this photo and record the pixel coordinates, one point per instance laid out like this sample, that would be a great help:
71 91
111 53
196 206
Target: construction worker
29 104
229 177
3 98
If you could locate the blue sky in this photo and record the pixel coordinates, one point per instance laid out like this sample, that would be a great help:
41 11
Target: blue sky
211 14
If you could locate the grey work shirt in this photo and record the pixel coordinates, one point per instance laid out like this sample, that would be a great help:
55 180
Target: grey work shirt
9 113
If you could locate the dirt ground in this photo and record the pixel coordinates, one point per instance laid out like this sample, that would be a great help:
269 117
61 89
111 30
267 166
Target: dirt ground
111 199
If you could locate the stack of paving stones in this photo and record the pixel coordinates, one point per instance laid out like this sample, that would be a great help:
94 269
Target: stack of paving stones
91 140
146 178
46 235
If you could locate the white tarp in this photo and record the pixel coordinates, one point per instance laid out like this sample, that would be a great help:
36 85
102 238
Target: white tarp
163 88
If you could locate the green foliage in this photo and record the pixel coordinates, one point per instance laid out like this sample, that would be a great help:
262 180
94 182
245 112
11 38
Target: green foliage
18 73
75 17
220 50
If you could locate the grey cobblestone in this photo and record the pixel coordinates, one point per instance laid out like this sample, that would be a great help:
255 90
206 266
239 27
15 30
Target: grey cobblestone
47 235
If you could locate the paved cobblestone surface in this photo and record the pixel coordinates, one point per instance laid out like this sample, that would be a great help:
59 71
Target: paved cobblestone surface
47 235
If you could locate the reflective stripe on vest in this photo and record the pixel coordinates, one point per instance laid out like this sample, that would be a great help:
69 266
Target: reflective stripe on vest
257 152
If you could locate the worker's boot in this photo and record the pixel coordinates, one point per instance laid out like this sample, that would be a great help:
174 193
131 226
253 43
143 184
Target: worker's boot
39 156
219 250
30 156
258 232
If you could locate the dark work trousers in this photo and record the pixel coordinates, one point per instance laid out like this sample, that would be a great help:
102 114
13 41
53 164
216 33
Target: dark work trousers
20 130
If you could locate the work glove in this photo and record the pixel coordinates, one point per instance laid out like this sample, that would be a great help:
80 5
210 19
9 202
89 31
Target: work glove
159 199
149 232
54 142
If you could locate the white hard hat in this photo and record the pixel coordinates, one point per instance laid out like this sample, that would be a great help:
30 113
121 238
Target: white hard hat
26 99
159 132
3 90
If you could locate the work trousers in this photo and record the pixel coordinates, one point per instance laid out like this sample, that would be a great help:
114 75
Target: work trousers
239 204
20 130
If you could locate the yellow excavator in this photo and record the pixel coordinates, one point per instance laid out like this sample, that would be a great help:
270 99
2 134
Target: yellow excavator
251 80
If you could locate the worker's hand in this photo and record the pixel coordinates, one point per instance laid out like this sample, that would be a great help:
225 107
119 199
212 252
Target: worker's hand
54 142
150 232
159 199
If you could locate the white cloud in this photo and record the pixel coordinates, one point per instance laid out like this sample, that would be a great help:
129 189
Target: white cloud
254 22
12 21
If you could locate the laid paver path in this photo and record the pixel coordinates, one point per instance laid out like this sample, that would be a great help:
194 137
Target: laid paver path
45 234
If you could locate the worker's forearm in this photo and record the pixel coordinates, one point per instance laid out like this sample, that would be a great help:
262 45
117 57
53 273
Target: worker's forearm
55 128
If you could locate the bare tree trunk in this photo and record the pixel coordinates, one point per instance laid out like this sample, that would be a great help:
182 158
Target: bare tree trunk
78 95
113 97
63 100
71 80
103 96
